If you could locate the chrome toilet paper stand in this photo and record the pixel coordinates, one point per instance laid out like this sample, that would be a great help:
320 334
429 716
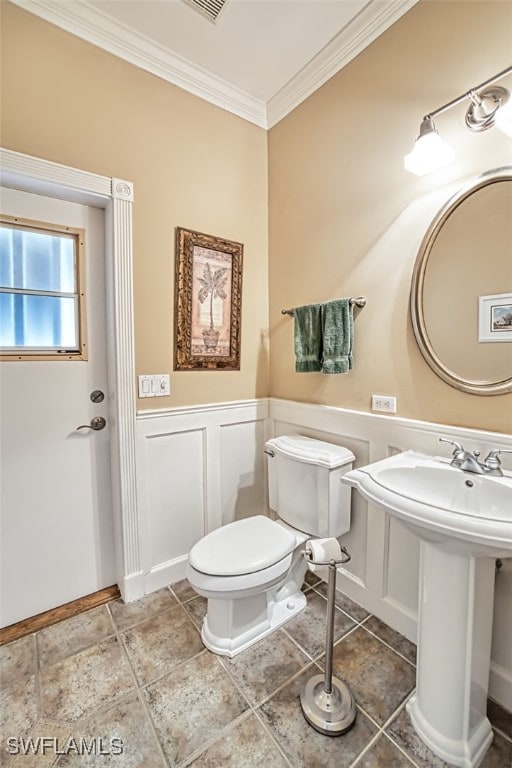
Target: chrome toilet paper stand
327 703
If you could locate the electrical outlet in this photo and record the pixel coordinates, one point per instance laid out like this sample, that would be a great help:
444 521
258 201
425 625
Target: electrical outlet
384 403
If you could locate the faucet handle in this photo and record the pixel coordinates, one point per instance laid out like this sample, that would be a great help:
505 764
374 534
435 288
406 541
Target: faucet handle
492 461
458 447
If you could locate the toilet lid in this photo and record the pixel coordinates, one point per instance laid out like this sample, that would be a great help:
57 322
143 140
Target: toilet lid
245 546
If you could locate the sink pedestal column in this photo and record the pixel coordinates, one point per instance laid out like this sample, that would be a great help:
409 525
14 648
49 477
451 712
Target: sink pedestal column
448 709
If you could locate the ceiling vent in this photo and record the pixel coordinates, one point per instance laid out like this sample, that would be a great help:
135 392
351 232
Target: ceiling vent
209 8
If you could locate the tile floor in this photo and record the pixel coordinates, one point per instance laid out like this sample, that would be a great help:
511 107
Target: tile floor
133 686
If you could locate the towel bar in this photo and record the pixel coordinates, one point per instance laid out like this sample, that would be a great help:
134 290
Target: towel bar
359 302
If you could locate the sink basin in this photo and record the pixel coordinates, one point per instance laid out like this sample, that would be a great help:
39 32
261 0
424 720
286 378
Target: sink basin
450 489
464 522
447 504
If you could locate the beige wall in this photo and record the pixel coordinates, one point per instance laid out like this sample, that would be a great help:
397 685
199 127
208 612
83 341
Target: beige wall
338 198
342 210
193 165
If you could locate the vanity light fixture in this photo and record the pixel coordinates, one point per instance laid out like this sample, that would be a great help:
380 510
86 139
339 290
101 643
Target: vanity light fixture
430 151
489 106
503 119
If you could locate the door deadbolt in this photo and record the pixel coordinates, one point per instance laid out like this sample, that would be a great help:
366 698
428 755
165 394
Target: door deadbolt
97 396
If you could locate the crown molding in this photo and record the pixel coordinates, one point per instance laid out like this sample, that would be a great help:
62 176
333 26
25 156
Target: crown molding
101 30
96 27
362 30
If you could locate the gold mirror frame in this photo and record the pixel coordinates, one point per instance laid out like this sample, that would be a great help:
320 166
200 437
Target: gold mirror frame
418 278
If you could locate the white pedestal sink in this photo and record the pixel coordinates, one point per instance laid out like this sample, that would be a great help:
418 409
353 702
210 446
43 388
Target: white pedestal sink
464 521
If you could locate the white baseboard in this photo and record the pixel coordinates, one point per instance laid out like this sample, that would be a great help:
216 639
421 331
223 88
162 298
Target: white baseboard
132 587
500 686
166 573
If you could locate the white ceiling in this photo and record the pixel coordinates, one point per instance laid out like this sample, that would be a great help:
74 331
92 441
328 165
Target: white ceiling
260 59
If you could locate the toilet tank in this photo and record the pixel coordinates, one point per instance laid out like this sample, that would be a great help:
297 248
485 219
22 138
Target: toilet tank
304 483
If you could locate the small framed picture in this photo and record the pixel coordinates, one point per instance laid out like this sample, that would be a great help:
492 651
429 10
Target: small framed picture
495 317
208 297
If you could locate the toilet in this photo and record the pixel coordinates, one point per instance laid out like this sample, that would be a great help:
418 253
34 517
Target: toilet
252 571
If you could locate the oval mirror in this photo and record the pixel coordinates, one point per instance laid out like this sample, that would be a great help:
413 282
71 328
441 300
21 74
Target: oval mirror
461 292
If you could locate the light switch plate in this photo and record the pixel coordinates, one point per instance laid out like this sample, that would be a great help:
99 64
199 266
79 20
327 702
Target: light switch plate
155 385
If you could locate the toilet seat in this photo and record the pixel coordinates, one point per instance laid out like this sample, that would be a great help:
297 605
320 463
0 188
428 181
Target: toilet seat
242 548
239 585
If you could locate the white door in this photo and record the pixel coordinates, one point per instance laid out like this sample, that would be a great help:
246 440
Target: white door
56 530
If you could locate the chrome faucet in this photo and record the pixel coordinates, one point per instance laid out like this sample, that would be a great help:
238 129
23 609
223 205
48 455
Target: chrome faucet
493 463
468 462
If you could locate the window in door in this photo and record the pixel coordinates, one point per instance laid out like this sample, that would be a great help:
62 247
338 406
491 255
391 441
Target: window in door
42 291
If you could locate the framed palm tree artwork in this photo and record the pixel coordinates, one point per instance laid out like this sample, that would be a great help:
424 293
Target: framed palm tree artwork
207 301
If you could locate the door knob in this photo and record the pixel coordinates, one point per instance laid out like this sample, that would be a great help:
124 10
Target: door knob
97 423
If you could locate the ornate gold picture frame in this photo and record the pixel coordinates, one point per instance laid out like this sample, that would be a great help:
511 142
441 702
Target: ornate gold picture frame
208 296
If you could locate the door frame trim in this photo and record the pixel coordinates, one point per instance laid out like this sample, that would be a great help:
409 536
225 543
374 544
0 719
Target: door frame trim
115 196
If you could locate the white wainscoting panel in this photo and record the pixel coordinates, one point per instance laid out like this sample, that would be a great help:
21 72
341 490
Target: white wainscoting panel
198 468
241 464
204 466
383 573
174 470
402 551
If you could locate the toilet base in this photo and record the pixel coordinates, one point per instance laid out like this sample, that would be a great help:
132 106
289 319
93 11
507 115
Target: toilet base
250 619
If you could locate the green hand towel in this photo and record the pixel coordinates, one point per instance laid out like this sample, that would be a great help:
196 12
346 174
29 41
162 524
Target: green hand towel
338 336
308 338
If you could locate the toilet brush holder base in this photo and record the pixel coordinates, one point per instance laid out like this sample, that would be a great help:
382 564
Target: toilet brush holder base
332 714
